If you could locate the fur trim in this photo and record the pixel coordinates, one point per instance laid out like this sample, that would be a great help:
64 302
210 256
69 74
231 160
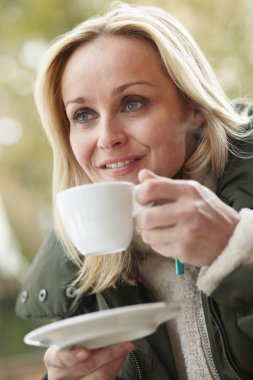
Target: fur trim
239 251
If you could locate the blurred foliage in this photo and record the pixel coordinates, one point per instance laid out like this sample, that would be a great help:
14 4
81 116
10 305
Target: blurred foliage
12 340
223 30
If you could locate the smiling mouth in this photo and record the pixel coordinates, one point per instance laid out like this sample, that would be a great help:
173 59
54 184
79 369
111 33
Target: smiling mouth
119 164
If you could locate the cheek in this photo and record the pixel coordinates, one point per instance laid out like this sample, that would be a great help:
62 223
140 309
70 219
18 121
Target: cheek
162 127
160 135
79 149
168 148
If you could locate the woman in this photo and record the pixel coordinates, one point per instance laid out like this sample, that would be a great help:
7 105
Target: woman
129 96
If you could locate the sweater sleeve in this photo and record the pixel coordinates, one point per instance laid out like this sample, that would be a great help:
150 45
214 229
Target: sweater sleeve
238 252
235 188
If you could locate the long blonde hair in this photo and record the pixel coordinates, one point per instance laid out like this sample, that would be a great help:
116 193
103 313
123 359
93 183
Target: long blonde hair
191 73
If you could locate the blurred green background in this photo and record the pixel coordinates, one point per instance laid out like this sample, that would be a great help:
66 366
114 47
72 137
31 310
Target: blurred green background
223 29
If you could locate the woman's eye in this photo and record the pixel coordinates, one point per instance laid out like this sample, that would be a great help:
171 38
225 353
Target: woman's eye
83 116
133 105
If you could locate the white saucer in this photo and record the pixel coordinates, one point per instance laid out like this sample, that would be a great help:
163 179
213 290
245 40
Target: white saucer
103 328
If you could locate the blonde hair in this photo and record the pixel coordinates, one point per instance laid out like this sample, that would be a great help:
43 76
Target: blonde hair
191 73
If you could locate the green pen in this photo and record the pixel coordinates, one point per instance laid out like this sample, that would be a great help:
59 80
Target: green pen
179 267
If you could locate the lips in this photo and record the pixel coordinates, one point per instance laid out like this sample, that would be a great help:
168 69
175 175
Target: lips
118 162
120 166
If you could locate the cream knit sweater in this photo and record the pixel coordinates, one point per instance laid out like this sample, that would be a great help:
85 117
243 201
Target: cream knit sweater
184 330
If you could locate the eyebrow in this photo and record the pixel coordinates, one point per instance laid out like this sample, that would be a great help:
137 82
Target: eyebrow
116 91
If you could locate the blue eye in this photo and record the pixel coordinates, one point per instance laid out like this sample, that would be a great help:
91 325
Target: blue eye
83 116
133 105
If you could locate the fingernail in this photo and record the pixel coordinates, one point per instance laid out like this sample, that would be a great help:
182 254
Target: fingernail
81 355
126 348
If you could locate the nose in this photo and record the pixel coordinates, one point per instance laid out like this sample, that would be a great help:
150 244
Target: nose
111 133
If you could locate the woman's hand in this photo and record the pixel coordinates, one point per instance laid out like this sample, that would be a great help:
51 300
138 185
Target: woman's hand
83 364
188 221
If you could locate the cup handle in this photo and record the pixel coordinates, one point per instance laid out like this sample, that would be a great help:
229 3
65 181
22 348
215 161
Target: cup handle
137 207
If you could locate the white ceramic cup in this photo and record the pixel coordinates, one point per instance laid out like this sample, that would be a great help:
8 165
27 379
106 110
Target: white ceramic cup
99 217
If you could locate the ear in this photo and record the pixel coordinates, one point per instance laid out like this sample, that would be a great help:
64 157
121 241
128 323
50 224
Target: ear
197 118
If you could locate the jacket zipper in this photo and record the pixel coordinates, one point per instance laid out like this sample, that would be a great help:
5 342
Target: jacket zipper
132 354
105 302
137 365
200 318
221 335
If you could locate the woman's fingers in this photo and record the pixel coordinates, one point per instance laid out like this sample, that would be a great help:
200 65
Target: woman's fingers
187 221
103 356
64 364
161 190
78 363
107 371
67 358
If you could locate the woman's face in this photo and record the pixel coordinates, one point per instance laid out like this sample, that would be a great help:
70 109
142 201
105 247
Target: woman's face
125 114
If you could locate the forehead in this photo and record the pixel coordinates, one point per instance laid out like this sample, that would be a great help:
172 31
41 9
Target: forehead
117 52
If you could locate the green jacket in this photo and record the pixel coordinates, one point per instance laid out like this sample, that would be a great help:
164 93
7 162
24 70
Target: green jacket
228 312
